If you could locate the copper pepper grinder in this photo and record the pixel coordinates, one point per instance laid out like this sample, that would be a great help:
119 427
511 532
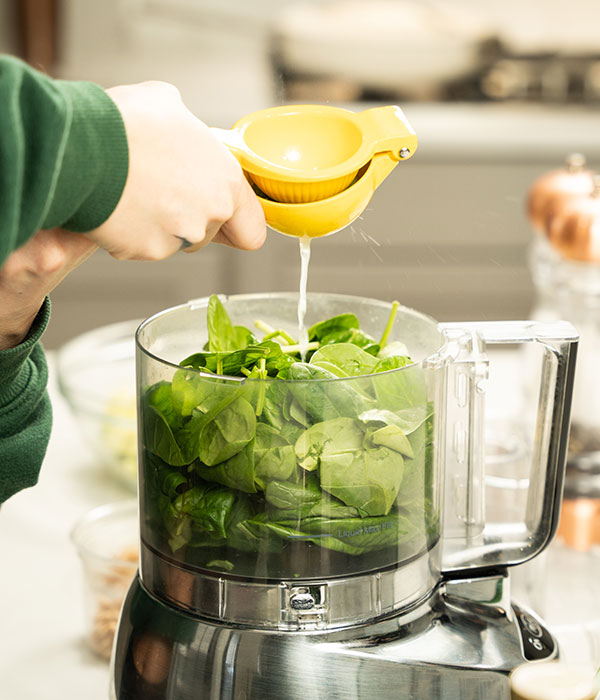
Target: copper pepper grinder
550 190
564 210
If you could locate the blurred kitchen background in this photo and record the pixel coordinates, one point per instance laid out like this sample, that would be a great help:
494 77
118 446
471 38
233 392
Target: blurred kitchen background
498 94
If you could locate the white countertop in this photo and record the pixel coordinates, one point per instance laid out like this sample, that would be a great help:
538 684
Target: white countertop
43 655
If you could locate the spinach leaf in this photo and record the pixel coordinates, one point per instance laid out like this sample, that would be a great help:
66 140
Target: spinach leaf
167 485
222 335
275 398
417 484
286 495
170 481
243 337
227 363
407 419
177 524
276 360
223 564
241 362
352 360
236 536
191 390
330 507
188 436
161 424
412 488
274 456
355 336
366 479
293 501
227 432
336 370
393 437
394 349
399 389
385 364
208 507
323 400
291 431
237 472
335 324
340 435
298 414
349 535
160 397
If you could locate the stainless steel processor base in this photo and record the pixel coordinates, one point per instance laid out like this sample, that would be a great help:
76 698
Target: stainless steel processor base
459 643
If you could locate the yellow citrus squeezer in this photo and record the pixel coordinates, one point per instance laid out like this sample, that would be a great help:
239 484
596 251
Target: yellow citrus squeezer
314 168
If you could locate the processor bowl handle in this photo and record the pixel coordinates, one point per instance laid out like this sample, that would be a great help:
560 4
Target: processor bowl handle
470 543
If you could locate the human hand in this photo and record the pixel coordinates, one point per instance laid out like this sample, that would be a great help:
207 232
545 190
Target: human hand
183 189
30 273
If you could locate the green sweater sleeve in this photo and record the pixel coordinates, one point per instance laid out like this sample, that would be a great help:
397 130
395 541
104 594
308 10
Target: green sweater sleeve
63 154
63 162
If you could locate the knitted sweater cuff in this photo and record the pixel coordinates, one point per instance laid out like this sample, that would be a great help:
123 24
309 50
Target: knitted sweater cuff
13 362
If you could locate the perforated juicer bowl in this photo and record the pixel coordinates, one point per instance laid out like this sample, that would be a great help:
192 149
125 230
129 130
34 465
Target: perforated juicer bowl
311 154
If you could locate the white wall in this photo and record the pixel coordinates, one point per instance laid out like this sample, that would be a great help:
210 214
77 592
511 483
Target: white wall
217 53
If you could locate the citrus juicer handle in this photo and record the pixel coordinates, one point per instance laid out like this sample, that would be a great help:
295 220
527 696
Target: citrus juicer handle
392 138
470 543
388 131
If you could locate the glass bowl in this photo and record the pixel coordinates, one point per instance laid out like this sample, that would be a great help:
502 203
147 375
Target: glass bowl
106 540
96 375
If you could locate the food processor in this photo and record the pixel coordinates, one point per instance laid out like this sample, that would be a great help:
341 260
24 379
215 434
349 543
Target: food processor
349 562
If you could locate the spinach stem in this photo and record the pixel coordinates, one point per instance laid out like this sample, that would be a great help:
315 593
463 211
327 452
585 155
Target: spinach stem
263 326
219 365
296 348
262 387
273 332
389 325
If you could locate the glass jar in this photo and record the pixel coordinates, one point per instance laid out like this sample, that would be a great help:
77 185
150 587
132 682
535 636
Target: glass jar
565 267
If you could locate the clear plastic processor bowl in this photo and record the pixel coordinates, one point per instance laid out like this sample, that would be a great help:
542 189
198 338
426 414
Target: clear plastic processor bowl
278 478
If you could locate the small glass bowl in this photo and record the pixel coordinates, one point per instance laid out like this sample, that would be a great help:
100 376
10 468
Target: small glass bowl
107 542
96 375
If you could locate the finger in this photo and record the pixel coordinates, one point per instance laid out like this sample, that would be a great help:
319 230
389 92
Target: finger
246 229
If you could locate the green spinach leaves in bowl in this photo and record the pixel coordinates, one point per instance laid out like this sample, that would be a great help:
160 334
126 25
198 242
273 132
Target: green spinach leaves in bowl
252 450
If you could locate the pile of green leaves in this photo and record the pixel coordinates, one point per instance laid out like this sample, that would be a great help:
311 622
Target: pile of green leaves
333 450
